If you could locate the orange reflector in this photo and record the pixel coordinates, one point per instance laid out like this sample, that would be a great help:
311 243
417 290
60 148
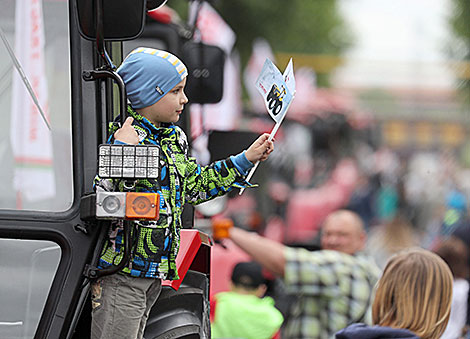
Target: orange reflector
142 205
221 227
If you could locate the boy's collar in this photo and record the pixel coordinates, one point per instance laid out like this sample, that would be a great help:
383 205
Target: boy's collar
146 122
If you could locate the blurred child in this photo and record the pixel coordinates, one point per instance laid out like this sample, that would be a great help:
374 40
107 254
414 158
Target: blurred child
243 312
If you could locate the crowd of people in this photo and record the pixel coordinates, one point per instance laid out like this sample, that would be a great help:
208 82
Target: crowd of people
339 291
393 214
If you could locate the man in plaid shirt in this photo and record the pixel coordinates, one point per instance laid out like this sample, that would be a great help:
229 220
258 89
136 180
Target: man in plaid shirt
333 286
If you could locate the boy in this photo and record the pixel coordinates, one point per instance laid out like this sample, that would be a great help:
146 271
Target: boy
243 312
155 82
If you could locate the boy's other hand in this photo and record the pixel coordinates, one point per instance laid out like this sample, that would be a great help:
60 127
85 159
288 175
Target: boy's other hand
127 133
260 149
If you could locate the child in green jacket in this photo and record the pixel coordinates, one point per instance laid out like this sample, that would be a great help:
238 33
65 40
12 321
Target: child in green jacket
244 311
155 82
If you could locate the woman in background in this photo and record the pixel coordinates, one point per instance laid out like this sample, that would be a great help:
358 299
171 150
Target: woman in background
412 300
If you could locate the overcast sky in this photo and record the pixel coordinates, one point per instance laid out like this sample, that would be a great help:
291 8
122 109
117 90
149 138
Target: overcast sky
398 43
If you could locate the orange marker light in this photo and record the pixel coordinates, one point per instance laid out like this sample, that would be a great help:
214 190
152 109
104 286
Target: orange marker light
142 205
221 228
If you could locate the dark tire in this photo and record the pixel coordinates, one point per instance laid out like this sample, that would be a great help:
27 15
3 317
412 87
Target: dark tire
183 313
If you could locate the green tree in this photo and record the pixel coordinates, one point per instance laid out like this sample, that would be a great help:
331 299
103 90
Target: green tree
291 27
460 23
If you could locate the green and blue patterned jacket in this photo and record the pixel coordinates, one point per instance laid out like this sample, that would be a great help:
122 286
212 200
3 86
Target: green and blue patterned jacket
155 244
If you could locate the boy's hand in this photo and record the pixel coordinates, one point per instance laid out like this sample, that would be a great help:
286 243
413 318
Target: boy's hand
260 149
127 133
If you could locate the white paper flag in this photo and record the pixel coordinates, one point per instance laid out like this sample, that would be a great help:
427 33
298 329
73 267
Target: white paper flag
274 90
289 77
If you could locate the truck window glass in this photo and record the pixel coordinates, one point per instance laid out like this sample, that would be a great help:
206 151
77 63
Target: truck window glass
27 268
36 171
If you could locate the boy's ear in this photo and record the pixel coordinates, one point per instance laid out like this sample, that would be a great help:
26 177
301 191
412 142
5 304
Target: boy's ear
205 65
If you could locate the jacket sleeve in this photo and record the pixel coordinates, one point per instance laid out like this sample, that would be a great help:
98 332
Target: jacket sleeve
207 182
202 183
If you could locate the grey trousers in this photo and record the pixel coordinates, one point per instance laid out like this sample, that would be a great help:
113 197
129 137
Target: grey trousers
121 305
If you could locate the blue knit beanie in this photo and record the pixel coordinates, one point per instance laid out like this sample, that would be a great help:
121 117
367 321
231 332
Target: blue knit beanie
149 74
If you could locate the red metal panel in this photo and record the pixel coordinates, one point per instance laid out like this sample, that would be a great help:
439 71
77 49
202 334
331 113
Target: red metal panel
191 242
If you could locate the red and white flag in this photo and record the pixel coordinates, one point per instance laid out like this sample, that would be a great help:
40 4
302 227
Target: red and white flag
30 136
224 115
212 27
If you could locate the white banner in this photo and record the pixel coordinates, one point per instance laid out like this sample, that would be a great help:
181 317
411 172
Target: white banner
30 137
213 28
224 115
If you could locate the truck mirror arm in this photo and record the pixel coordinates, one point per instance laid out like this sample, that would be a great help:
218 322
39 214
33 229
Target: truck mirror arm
105 73
100 34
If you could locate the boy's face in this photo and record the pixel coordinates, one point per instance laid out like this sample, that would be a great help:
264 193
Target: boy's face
168 108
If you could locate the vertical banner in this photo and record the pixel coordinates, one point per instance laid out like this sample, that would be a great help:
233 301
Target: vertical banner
30 137
225 114
213 28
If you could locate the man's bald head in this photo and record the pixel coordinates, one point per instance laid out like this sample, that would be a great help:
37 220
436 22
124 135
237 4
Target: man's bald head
343 231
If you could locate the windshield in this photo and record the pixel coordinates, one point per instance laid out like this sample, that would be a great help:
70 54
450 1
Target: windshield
35 131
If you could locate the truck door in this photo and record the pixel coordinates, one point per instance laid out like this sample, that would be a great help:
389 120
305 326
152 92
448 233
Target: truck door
51 124
44 244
